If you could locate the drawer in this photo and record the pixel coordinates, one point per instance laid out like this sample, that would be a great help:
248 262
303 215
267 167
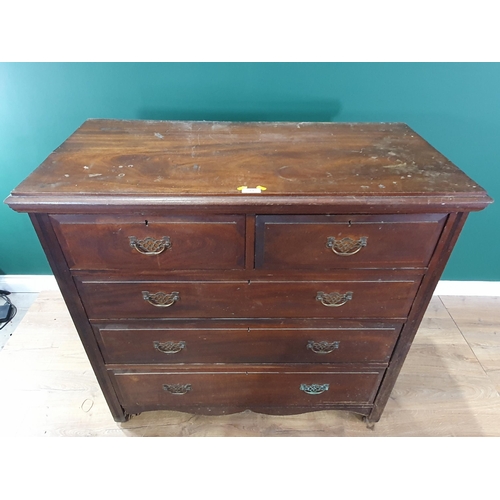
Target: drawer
249 299
141 244
169 344
244 387
330 242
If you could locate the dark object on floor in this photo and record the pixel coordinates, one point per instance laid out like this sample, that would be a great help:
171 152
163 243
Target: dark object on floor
7 309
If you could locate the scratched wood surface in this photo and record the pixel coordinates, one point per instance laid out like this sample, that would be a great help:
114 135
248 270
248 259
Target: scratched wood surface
185 158
449 385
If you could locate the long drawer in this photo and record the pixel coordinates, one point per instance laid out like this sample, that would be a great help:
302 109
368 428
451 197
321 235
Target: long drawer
244 387
165 344
346 241
377 298
149 244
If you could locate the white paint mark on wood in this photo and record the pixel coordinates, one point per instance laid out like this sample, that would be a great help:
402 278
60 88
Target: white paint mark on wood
184 125
219 126
399 165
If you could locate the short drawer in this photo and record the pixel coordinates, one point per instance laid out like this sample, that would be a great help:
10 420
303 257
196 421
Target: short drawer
168 344
142 244
247 387
255 299
334 242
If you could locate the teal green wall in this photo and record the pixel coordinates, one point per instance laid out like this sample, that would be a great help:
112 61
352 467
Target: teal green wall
456 107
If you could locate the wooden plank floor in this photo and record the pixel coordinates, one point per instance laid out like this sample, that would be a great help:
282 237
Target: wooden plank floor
449 385
22 302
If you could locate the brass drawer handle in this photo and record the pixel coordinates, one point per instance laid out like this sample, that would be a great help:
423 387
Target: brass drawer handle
161 299
170 347
333 299
323 347
177 388
346 246
314 388
150 246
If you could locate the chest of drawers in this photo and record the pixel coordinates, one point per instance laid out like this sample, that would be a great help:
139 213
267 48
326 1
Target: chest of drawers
216 267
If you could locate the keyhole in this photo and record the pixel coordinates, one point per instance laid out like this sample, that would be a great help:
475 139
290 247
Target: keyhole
146 222
349 223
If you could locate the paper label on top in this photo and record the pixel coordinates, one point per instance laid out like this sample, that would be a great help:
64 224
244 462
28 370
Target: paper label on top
249 190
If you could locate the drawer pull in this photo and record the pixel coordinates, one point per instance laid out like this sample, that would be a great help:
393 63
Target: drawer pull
177 388
314 388
169 347
322 347
333 299
346 246
150 246
161 299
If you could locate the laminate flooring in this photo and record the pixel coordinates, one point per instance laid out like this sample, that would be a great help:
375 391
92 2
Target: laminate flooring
449 385
23 302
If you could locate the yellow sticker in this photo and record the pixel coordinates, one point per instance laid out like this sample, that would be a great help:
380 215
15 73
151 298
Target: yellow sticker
247 190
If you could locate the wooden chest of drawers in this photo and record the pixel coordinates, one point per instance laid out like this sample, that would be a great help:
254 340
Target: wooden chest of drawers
217 267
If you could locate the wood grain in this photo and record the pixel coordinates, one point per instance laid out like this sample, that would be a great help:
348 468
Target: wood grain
117 162
141 388
250 299
478 319
299 242
91 242
125 344
49 388
112 177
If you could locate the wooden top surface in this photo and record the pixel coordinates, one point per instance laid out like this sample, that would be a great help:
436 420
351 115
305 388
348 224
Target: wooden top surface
106 159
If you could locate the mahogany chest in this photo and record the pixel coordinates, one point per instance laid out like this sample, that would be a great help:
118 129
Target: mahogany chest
214 267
